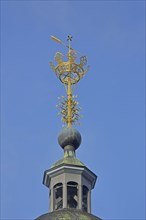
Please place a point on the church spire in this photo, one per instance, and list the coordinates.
(69, 181)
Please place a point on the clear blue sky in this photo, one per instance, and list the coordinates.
(112, 35)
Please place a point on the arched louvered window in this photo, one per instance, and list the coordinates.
(85, 191)
(72, 195)
(58, 196)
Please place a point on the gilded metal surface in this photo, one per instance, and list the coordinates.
(69, 69)
(63, 107)
(69, 73)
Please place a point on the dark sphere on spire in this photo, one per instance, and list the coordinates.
(69, 136)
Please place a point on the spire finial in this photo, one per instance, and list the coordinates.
(69, 38)
(69, 72)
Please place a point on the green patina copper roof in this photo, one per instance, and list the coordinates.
(68, 214)
(68, 161)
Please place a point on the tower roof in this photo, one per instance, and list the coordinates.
(69, 214)
(68, 161)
